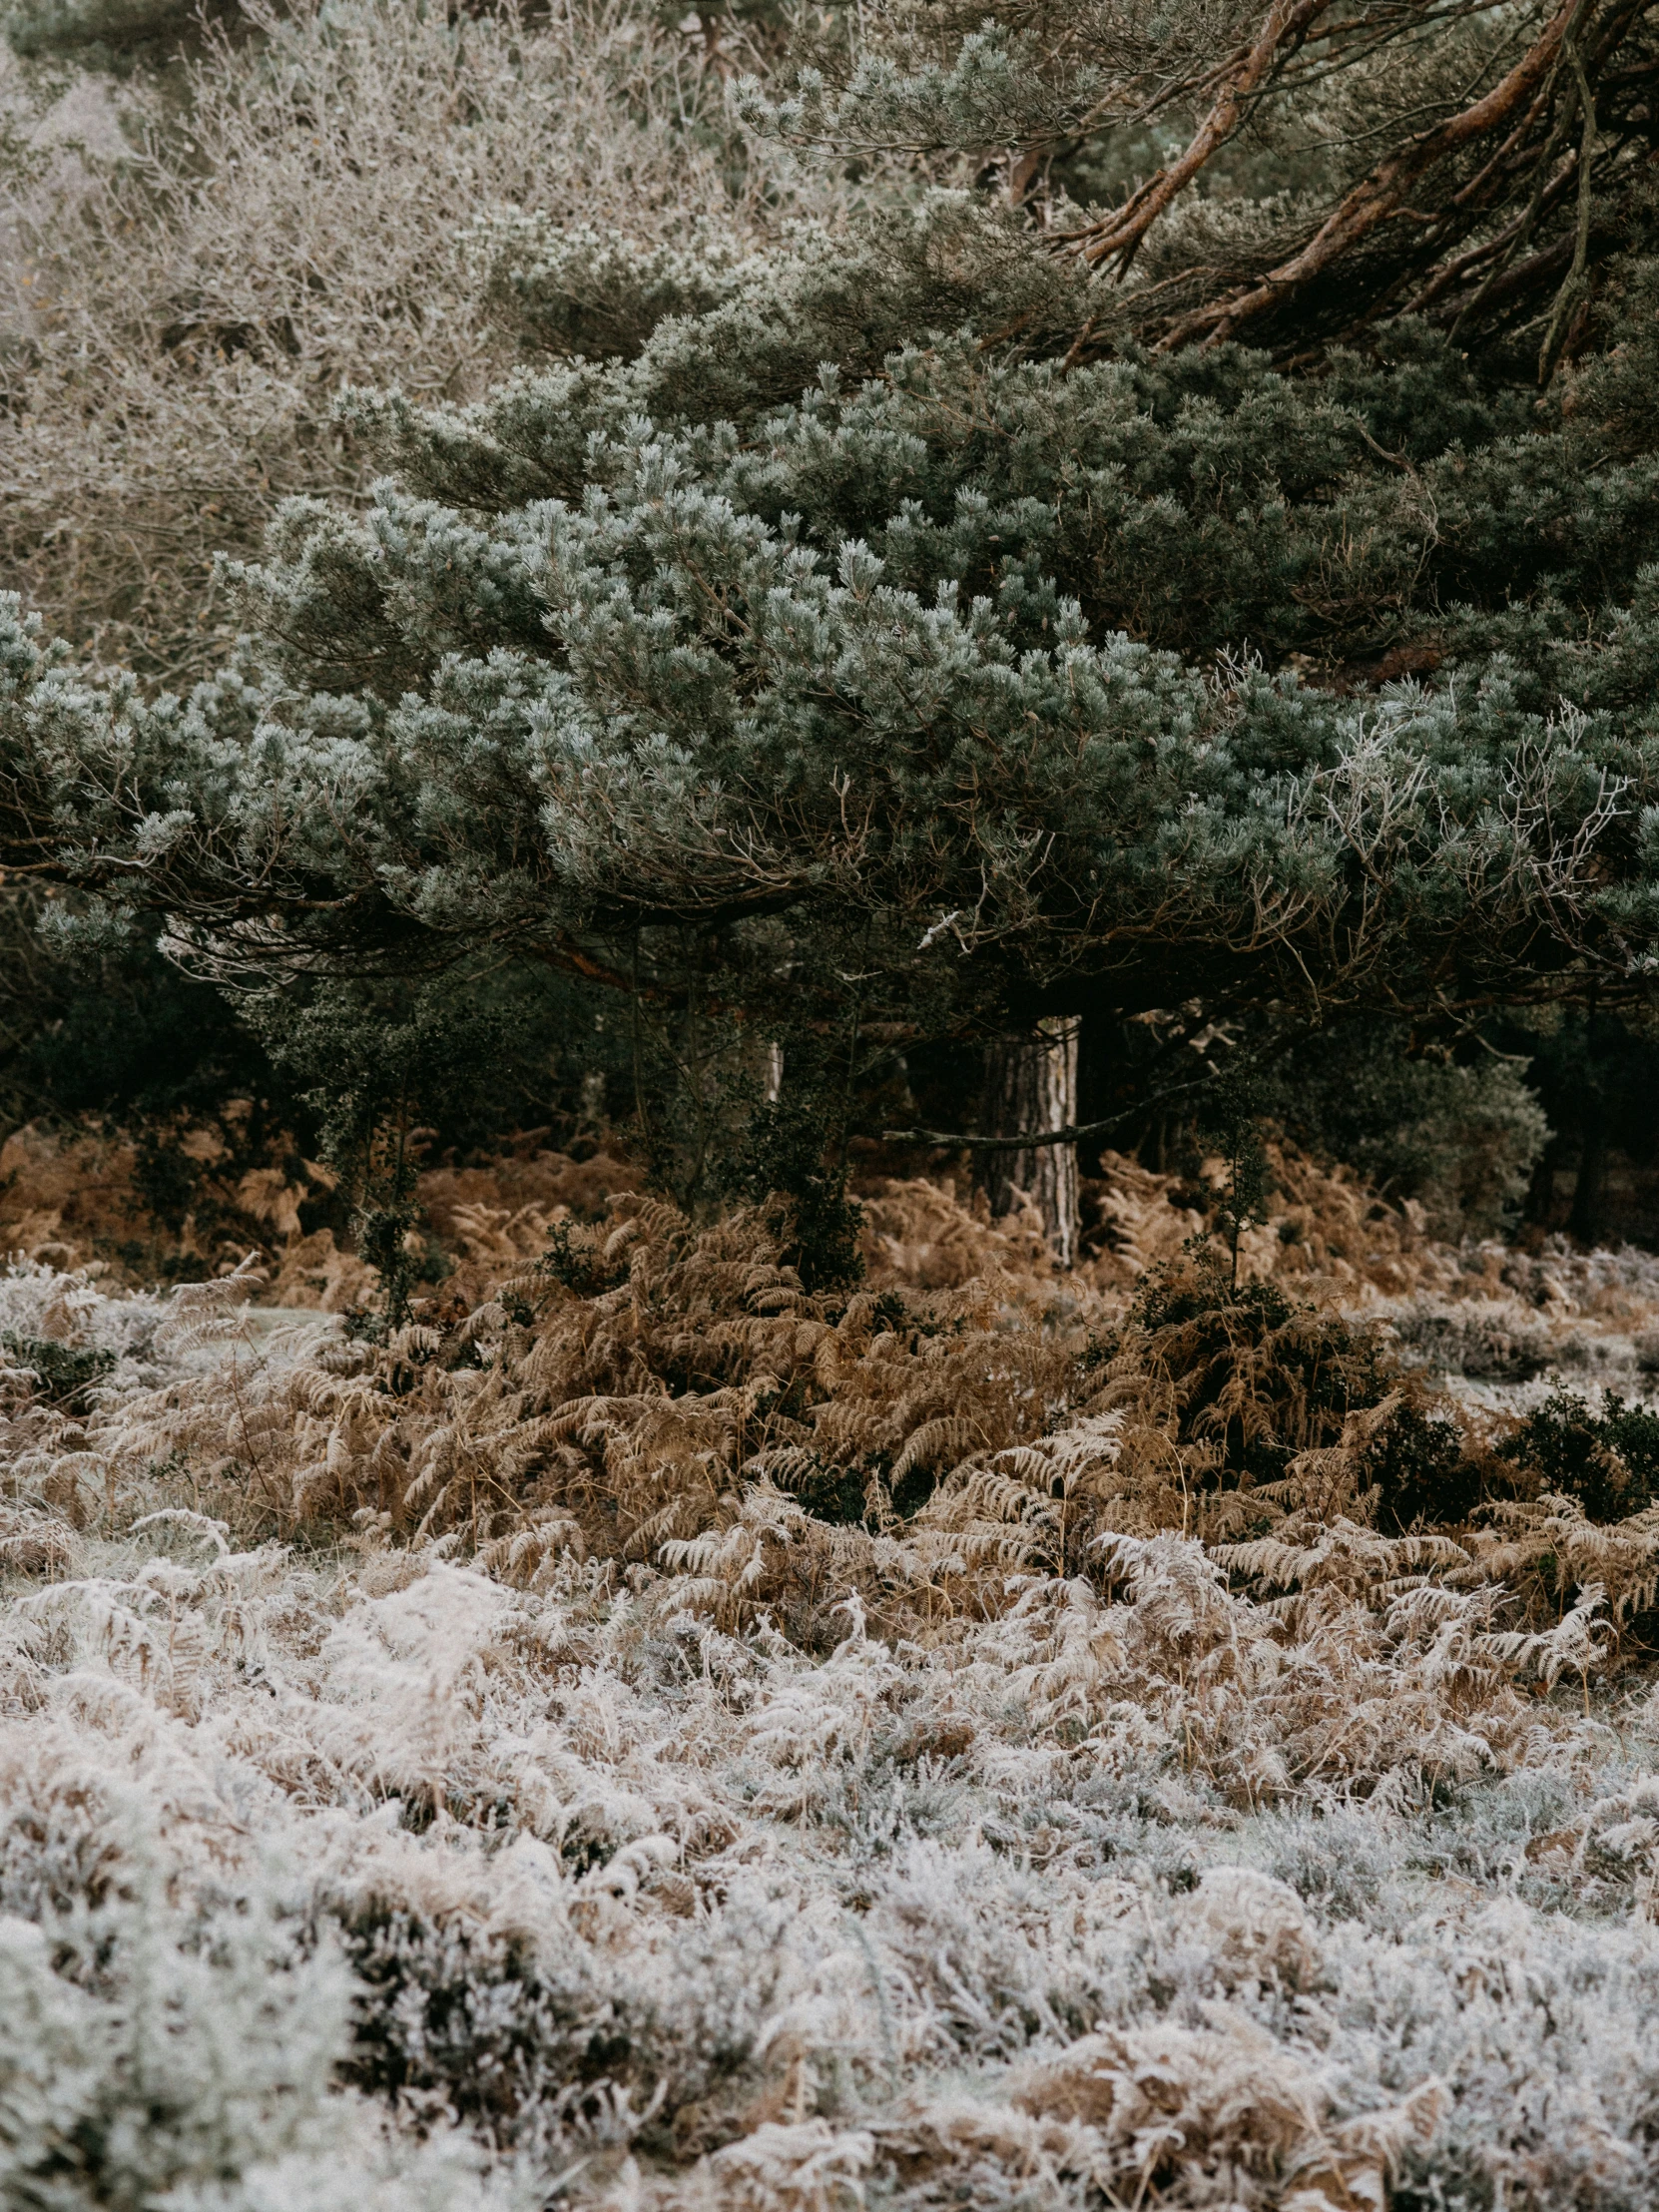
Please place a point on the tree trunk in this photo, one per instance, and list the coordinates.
(1584, 1221)
(1540, 1193)
(1032, 1084)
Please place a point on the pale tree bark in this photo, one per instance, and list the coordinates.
(1030, 1086)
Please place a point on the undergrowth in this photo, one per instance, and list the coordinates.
(661, 1736)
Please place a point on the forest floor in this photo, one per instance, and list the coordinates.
(650, 1736)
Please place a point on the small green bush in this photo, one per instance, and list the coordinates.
(1608, 1462)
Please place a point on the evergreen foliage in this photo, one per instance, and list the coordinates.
(113, 1029)
(1607, 1458)
(204, 251)
(1289, 174)
(1460, 1136)
(924, 626)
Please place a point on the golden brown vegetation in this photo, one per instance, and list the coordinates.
(602, 1377)
(965, 1738)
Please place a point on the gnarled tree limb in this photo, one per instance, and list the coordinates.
(1287, 24)
(1381, 195)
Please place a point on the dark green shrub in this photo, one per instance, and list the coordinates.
(1420, 1463)
(785, 1159)
(64, 1373)
(1608, 1462)
(1243, 1370)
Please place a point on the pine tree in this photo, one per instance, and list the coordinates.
(948, 628)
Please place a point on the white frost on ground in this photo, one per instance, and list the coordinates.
(359, 1880)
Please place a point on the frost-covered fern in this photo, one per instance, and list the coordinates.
(503, 1767)
(576, 1879)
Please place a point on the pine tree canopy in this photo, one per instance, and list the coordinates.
(957, 621)
(1399, 158)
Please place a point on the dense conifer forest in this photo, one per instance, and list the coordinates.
(829, 888)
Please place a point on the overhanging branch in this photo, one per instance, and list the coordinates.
(1031, 1140)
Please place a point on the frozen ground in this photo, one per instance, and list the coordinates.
(362, 1870)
